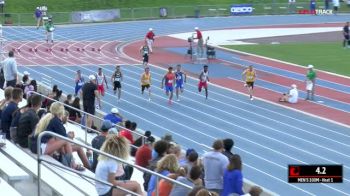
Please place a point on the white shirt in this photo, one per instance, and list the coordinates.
(100, 79)
(215, 164)
(294, 94)
(9, 66)
(336, 3)
(103, 169)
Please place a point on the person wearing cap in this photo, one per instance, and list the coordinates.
(144, 153)
(99, 140)
(25, 81)
(310, 82)
(49, 27)
(38, 17)
(292, 96)
(79, 82)
(150, 39)
(198, 35)
(89, 94)
(114, 116)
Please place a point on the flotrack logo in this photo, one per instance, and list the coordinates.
(316, 12)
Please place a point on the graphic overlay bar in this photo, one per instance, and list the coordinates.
(315, 173)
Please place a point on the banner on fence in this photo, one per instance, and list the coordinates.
(95, 16)
(241, 9)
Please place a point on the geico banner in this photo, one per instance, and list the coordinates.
(239, 9)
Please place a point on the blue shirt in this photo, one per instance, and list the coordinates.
(55, 125)
(113, 118)
(6, 117)
(233, 182)
(38, 13)
(179, 77)
(10, 68)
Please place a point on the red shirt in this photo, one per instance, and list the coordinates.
(127, 134)
(143, 156)
(150, 35)
(169, 79)
(199, 34)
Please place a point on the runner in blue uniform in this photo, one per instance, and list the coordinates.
(79, 82)
(180, 80)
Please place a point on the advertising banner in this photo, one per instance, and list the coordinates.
(241, 9)
(95, 16)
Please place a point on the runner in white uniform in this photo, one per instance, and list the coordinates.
(101, 79)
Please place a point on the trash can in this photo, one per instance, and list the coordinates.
(197, 13)
(163, 12)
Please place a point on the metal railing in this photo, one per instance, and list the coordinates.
(141, 13)
(41, 159)
(88, 114)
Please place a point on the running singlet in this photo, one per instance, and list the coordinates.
(250, 76)
(100, 79)
(146, 79)
(169, 79)
(145, 50)
(204, 76)
(117, 76)
(179, 77)
(80, 82)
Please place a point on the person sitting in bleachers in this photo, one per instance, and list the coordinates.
(114, 116)
(126, 132)
(99, 140)
(160, 148)
(7, 99)
(144, 153)
(233, 178)
(31, 87)
(15, 120)
(12, 106)
(214, 163)
(28, 121)
(49, 145)
(191, 159)
(168, 164)
(138, 143)
(192, 179)
(228, 144)
(175, 149)
(75, 115)
(165, 186)
(206, 192)
(106, 168)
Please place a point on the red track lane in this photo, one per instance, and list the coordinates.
(305, 106)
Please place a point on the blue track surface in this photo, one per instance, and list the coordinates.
(267, 136)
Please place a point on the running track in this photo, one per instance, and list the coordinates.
(267, 136)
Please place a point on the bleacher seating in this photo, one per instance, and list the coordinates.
(11, 170)
(6, 188)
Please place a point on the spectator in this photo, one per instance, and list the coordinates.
(38, 17)
(2, 78)
(89, 93)
(335, 6)
(168, 137)
(25, 80)
(176, 150)
(53, 122)
(75, 115)
(291, 6)
(191, 159)
(168, 164)
(165, 186)
(12, 106)
(160, 147)
(205, 192)
(144, 153)
(28, 121)
(310, 82)
(114, 116)
(15, 120)
(255, 191)
(139, 142)
(193, 179)
(106, 168)
(126, 132)
(32, 86)
(195, 190)
(215, 163)
(8, 96)
(228, 144)
(233, 178)
(68, 100)
(292, 96)
(9, 66)
(98, 141)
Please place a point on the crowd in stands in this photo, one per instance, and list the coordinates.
(217, 172)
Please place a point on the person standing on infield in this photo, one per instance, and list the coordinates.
(146, 82)
(203, 80)
(249, 76)
(200, 42)
(180, 80)
(346, 41)
(150, 39)
(310, 82)
(169, 81)
(116, 79)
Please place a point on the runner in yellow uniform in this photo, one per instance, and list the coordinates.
(249, 76)
(146, 82)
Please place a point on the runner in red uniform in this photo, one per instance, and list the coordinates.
(169, 81)
(101, 80)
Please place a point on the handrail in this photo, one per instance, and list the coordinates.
(71, 107)
(157, 175)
